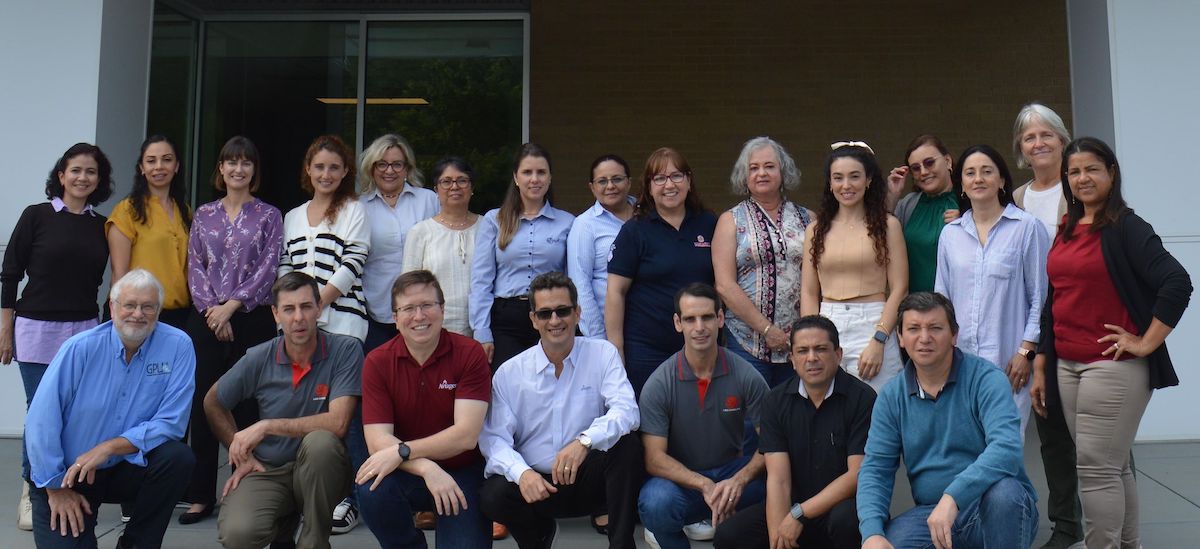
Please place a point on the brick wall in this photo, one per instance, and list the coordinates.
(704, 76)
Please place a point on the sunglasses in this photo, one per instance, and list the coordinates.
(561, 312)
(928, 164)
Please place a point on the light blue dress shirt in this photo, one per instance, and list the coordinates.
(90, 394)
(539, 246)
(389, 228)
(534, 415)
(998, 289)
(588, 248)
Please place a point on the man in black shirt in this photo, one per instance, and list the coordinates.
(814, 435)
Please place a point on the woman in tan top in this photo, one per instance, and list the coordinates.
(856, 265)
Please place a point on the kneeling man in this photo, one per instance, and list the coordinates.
(951, 416)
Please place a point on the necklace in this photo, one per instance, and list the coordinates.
(466, 222)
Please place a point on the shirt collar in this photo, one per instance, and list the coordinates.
(967, 221)
(118, 346)
(598, 209)
(548, 211)
(688, 213)
(542, 361)
(804, 392)
(683, 371)
(914, 387)
(406, 189)
(321, 353)
(58, 205)
(402, 355)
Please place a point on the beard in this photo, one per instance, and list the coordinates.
(134, 334)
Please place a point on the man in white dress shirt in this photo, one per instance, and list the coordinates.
(557, 437)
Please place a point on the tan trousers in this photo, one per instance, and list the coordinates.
(1103, 403)
(252, 515)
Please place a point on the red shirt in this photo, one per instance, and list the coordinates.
(418, 400)
(1085, 298)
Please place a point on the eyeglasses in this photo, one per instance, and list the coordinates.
(928, 164)
(661, 179)
(617, 180)
(447, 183)
(840, 144)
(398, 165)
(561, 312)
(146, 308)
(410, 310)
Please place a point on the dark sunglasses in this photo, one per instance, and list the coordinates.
(561, 312)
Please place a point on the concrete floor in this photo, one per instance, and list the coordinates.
(1168, 485)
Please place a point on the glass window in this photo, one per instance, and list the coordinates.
(172, 80)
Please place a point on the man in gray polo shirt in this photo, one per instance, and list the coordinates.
(292, 461)
(694, 408)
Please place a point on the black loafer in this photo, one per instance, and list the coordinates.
(193, 518)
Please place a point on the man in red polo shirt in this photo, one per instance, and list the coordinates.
(425, 395)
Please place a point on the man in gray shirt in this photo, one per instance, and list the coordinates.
(306, 383)
(694, 410)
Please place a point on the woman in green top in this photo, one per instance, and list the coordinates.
(924, 211)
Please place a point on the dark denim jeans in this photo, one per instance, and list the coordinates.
(388, 511)
(666, 507)
(31, 377)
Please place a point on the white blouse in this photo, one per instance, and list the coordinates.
(447, 254)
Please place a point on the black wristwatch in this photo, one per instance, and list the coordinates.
(1027, 353)
(404, 452)
(880, 336)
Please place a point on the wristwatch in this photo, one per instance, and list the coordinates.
(797, 512)
(585, 440)
(880, 336)
(1027, 353)
(404, 451)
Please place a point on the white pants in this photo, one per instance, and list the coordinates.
(856, 326)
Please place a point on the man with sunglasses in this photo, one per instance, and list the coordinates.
(694, 409)
(558, 436)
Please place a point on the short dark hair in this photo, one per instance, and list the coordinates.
(923, 302)
(698, 289)
(550, 281)
(818, 322)
(104, 188)
(238, 148)
(293, 281)
(416, 278)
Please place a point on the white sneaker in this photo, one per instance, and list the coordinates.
(345, 517)
(700, 531)
(650, 539)
(25, 509)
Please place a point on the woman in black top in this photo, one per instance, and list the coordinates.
(60, 246)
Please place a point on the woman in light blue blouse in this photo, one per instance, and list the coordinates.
(521, 239)
(991, 263)
(592, 235)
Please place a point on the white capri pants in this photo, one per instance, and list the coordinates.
(856, 326)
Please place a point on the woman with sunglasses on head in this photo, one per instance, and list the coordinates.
(1115, 294)
(149, 228)
(592, 235)
(445, 244)
(59, 247)
(856, 264)
(394, 200)
(233, 251)
(525, 237)
(924, 211)
(666, 246)
(758, 256)
(991, 264)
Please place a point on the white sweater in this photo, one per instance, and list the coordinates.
(332, 254)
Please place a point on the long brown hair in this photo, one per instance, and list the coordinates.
(345, 189)
(657, 162)
(1114, 205)
(510, 209)
(873, 203)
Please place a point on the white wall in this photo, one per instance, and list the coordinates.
(74, 70)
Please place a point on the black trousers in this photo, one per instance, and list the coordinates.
(1062, 480)
(213, 359)
(613, 478)
(512, 331)
(748, 528)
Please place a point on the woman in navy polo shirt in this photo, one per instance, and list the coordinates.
(666, 246)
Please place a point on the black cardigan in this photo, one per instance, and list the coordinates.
(1150, 282)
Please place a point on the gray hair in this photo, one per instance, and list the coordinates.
(1036, 112)
(787, 167)
(372, 154)
(137, 279)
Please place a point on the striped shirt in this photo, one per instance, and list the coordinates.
(332, 254)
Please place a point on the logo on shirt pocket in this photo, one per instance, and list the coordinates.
(701, 243)
(732, 404)
(446, 385)
(158, 368)
(321, 392)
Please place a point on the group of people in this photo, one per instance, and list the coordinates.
(645, 361)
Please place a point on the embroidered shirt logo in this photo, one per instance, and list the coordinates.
(447, 385)
(158, 368)
(321, 392)
(731, 404)
(700, 242)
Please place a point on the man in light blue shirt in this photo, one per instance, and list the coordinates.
(557, 438)
(106, 423)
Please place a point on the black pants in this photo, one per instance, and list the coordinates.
(512, 331)
(213, 359)
(748, 528)
(1062, 480)
(153, 489)
(613, 478)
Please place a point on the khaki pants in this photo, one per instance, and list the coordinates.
(1103, 403)
(252, 515)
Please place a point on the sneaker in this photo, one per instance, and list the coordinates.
(126, 511)
(700, 531)
(25, 509)
(345, 517)
(650, 539)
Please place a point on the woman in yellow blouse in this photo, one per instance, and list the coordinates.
(149, 228)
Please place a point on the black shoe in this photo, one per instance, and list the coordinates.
(601, 529)
(192, 518)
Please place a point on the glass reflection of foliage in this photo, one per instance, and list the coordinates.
(474, 111)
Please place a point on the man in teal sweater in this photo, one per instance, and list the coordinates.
(952, 418)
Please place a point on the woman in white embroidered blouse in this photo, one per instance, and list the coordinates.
(445, 243)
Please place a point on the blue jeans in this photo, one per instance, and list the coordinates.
(31, 377)
(1005, 515)
(388, 511)
(666, 507)
(356, 445)
(775, 373)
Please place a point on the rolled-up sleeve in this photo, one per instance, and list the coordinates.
(1036, 251)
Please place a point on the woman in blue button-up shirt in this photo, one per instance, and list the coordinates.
(991, 263)
(521, 239)
(592, 235)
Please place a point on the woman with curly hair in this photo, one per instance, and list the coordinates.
(856, 264)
